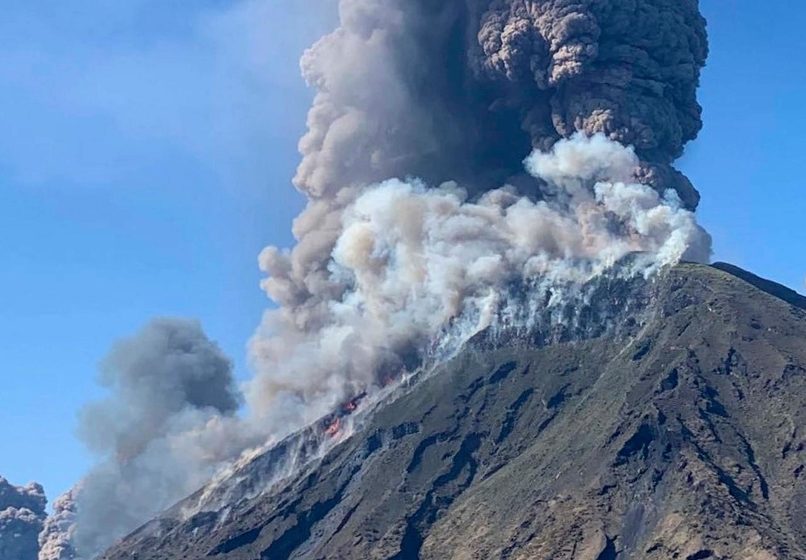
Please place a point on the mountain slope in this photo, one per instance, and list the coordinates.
(677, 435)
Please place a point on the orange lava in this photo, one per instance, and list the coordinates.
(333, 428)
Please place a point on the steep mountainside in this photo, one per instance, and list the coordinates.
(679, 435)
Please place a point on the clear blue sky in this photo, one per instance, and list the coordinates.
(145, 159)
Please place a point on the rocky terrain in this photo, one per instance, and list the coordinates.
(678, 435)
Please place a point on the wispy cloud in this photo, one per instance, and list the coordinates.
(105, 91)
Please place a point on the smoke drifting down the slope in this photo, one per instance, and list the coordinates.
(422, 218)
(412, 262)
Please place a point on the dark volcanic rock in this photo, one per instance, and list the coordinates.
(677, 436)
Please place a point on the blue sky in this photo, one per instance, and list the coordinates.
(145, 159)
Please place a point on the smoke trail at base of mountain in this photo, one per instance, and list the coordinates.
(56, 537)
(22, 514)
(167, 426)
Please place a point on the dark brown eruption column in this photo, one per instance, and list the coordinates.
(465, 89)
(628, 69)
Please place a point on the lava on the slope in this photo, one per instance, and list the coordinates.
(331, 425)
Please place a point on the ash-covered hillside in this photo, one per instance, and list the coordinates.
(676, 435)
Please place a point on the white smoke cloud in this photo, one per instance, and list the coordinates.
(410, 260)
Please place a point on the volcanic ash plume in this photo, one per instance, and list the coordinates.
(458, 152)
(459, 94)
(464, 90)
(22, 513)
(168, 424)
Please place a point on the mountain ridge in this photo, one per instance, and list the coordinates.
(642, 444)
(780, 291)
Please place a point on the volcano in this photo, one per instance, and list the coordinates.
(674, 429)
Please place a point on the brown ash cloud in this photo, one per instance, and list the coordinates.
(465, 90)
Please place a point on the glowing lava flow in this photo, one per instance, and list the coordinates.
(332, 424)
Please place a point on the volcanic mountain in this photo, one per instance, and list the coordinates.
(674, 432)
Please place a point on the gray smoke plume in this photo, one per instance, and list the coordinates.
(22, 514)
(166, 426)
(168, 368)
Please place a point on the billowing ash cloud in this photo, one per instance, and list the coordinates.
(464, 91)
(22, 513)
(166, 426)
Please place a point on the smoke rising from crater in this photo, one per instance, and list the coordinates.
(464, 91)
